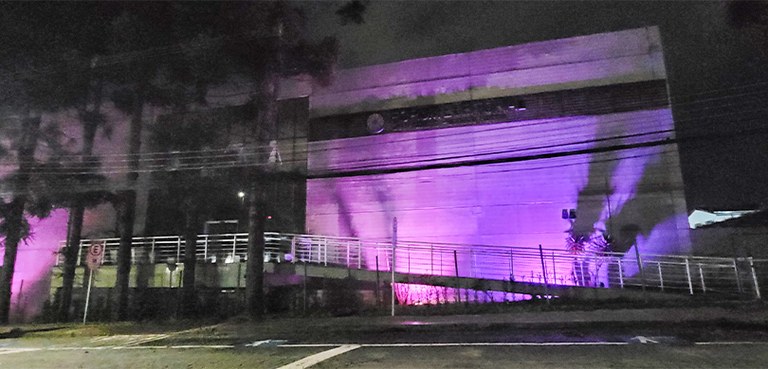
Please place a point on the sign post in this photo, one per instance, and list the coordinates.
(94, 259)
(394, 250)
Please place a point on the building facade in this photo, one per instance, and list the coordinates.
(552, 143)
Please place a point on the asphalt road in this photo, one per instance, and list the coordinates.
(639, 338)
(410, 345)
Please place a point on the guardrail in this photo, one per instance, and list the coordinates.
(687, 274)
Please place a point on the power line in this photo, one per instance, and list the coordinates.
(211, 161)
(562, 154)
(111, 165)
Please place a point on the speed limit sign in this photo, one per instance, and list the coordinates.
(95, 255)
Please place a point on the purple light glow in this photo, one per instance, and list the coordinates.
(35, 260)
(420, 294)
(635, 194)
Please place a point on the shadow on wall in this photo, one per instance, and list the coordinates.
(346, 226)
(640, 216)
(642, 221)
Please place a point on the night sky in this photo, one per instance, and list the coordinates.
(716, 72)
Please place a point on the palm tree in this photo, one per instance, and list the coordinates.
(37, 67)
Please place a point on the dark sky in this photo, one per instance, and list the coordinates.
(716, 72)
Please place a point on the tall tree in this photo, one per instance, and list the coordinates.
(91, 119)
(169, 58)
(194, 180)
(37, 63)
(90, 97)
(139, 42)
(273, 45)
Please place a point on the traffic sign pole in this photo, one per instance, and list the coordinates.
(88, 296)
(94, 260)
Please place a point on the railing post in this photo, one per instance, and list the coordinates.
(661, 277)
(511, 266)
(151, 251)
(441, 263)
(544, 272)
(738, 277)
(178, 247)
(205, 249)
(311, 247)
(554, 269)
(80, 251)
(378, 282)
(621, 274)
(701, 275)
(754, 278)
(234, 246)
(325, 252)
(394, 259)
(688, 273)
(348, 254)
(640, 267)
(431, 260)
(409, 262)
(359, 254)
(543, 265)
(293, 249)
(473, 264)
(458, 283)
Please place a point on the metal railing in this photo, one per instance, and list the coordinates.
(555, 266)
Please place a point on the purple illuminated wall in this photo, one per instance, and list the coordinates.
(34, 263)
(635, 194)
(511, 204)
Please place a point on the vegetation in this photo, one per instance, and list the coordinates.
(76, 60)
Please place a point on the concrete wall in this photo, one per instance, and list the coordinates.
(594, 60)
(634, 194)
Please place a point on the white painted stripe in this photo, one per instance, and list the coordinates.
(460, 344)
(201, 346)
(316, 358)
(17, 350)
(137, 347)
(342, 348)
(731, 343)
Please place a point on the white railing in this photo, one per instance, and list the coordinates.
(687, 274)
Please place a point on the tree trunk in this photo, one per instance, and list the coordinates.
(189, 295)
(77, 211)
(254, 283)
(70, 252)
(126, 214)
(15, 217)
(127, 210)
(254, 270)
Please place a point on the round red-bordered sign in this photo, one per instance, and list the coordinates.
(95, 255)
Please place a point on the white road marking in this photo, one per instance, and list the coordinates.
(459, 344)
(342, 348)
(644, 339)
(316, 358)
(17, 350)
(732, 343)
(131, 339)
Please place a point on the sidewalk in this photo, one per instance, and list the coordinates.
(746, 315)
(315, 326)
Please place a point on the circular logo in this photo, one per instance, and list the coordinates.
(375, 123)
